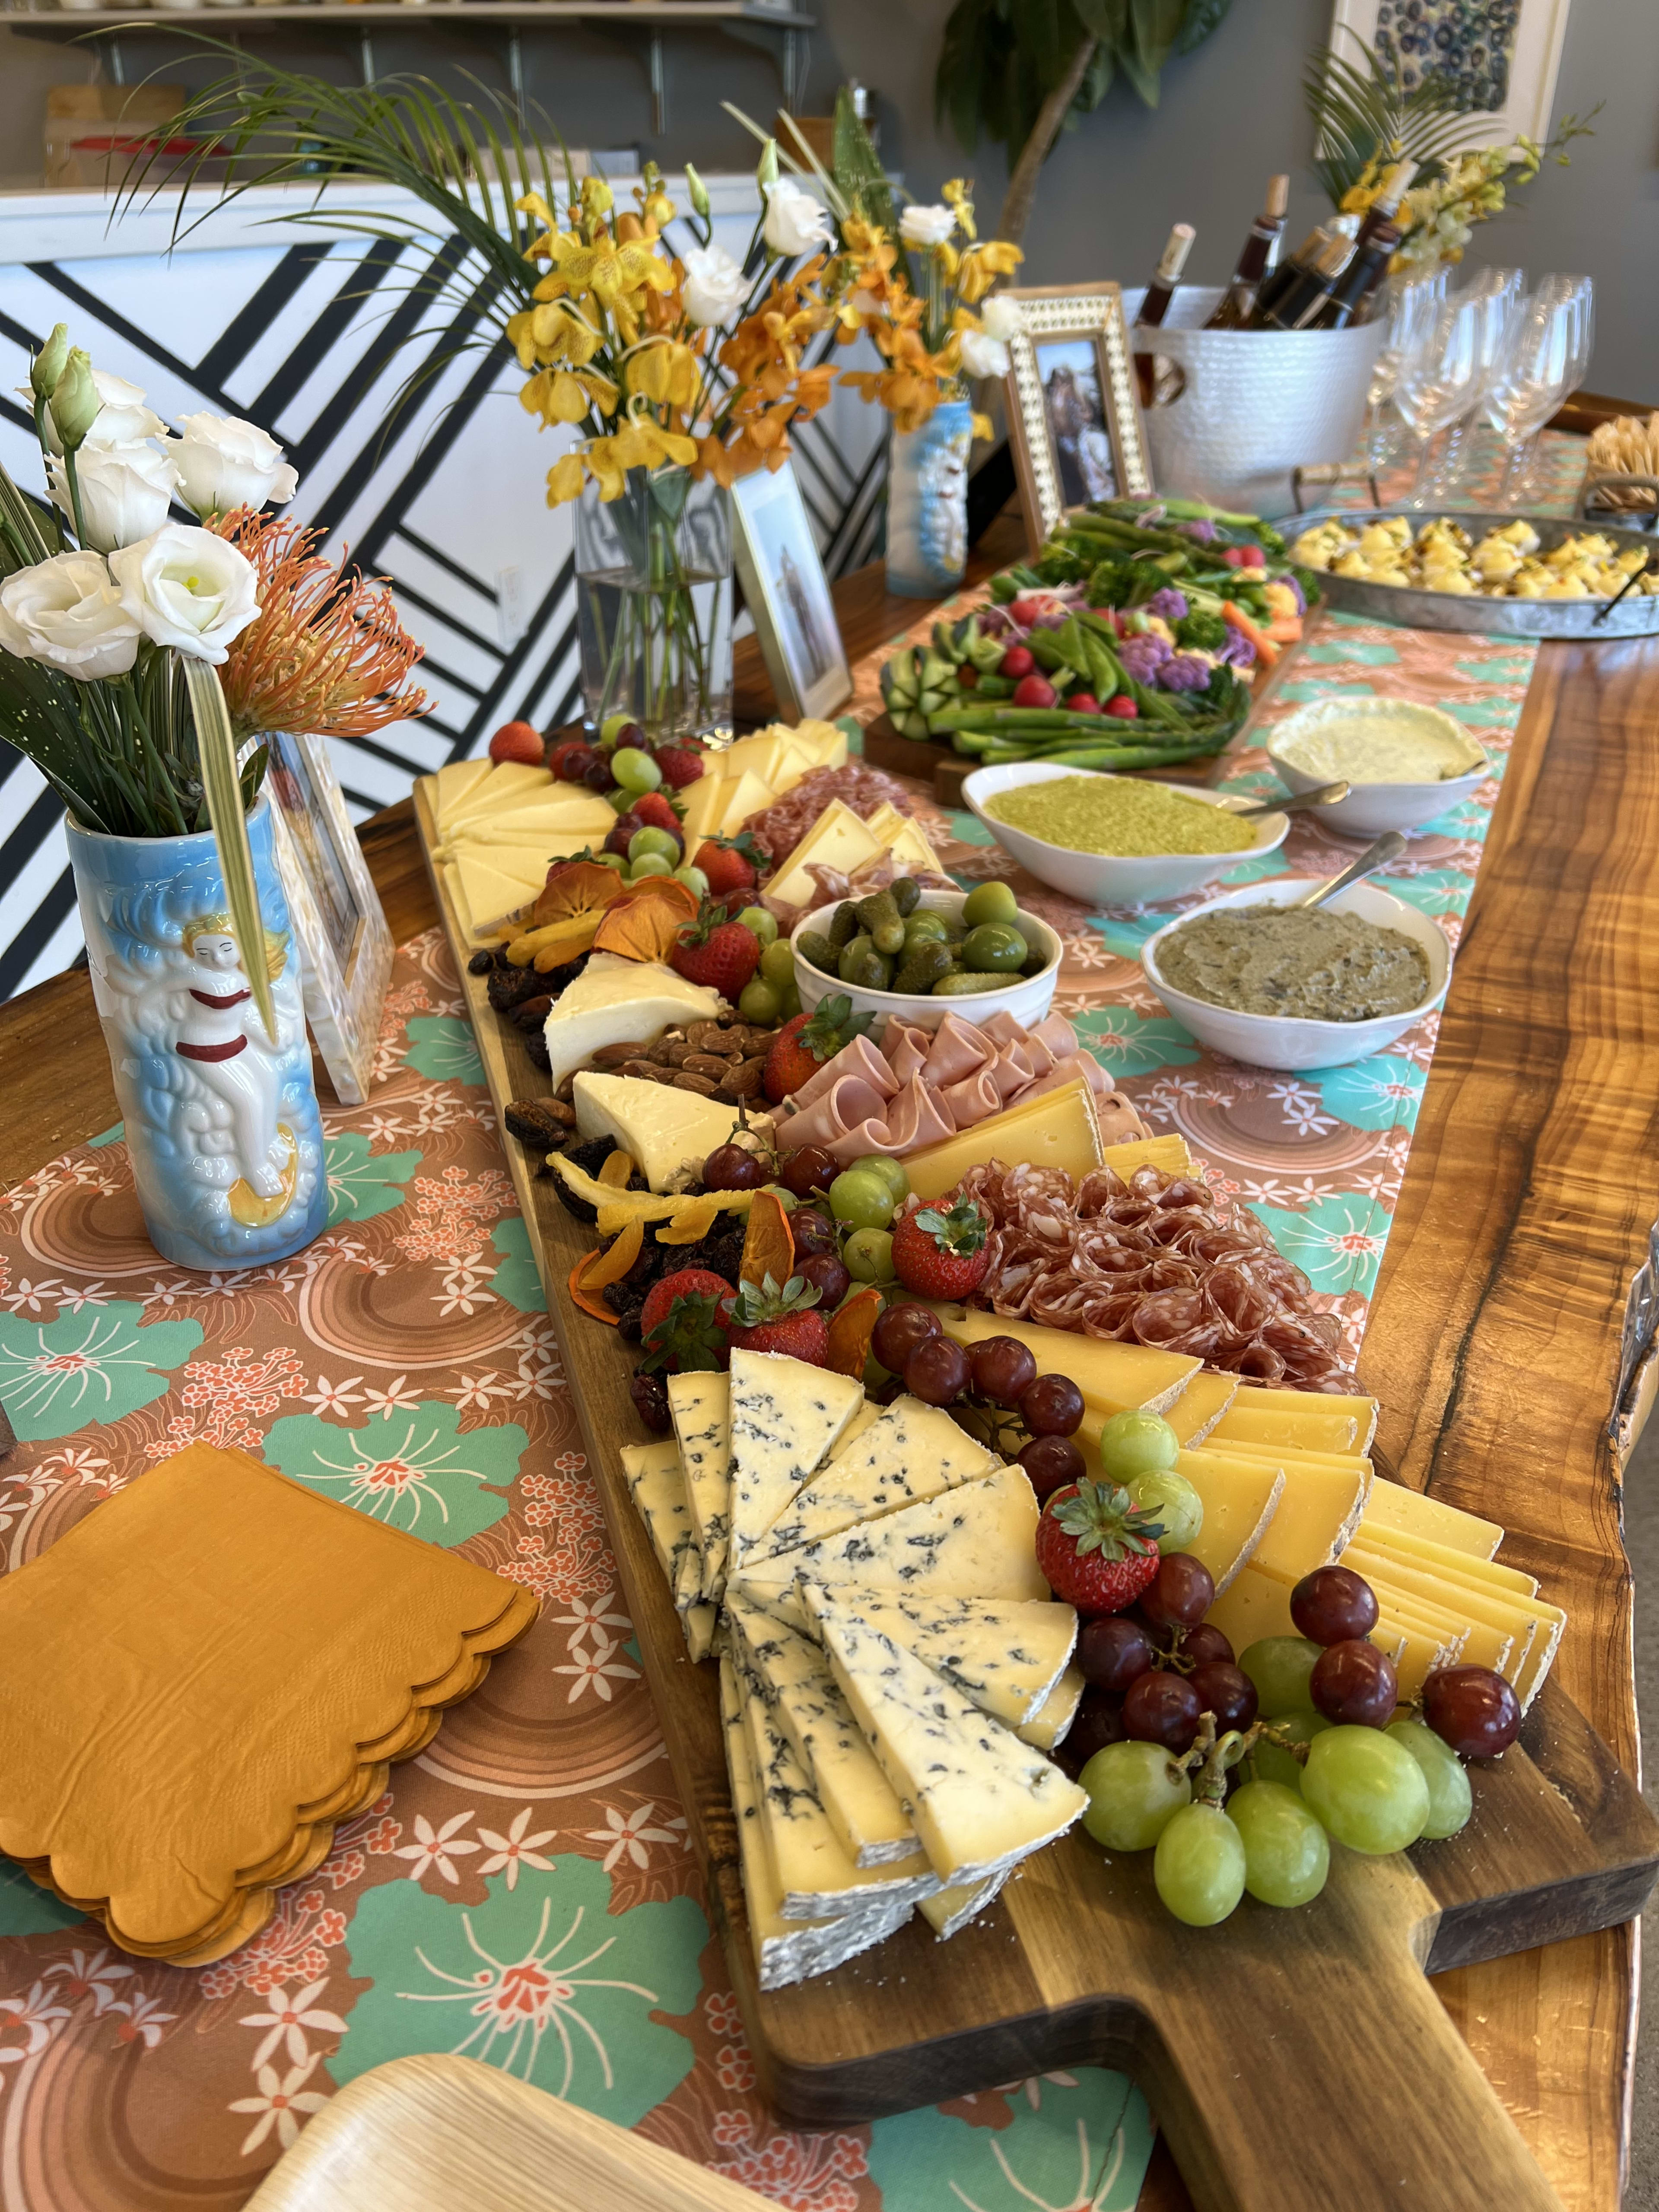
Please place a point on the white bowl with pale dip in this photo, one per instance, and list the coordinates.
(1404, 765)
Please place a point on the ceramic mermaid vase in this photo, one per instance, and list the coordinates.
(221, 1123)
(928, 503)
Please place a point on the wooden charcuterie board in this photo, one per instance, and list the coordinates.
(1297, 2061)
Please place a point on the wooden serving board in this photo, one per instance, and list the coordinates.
(1297, 2061)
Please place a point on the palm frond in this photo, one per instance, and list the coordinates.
(217, 743)
(1361, 116)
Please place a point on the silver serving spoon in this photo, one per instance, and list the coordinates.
(1389, 847)
(1325, 795)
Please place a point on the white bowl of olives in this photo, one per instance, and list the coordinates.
(988, 957)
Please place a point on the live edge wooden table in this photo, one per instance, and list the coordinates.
(1509, 1338)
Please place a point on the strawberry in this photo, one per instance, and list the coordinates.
(806, 1041)
(942, 1256)
(718, 954)
(680, 764)
(517, 741)
(684, 1320)
(731, 864)
(768, 1318)
(1098, 1549)
(652, 808)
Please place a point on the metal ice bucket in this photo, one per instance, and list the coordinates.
(1244, 408)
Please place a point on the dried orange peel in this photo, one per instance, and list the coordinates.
(643, 923)
(596, 1271)
(768, 1243)
(615, 1208)
(851, 1327)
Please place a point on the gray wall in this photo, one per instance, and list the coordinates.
(1232, 113)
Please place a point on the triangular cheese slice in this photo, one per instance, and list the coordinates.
(794, 1676)
(948, 1909)
(1006, 1656)
(453, 783)
(523, 826)
(785, 1416)
(699, 1404)
(976, 1541)
(703, 801)
(509, 783)
(745, 797)
(913, 1452)
(1239, 1499)
(838, 839)
(1048, 1724)
(492, 893)
(980, 1798)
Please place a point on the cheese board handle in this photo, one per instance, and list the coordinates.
(1335, 2084)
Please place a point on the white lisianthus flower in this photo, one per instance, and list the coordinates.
(999, 318)
(983, 356)
(715, 287)
(224, 463)
(189, 589)
(121, 421)
(927, 225)
(68, 613)
(125, 492)
(795, 222)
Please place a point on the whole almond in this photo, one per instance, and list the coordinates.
(707, 1063)
(702, 1084)
(616, 1055)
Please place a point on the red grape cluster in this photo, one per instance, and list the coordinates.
(1471, 1708)
(1000, 1370)
(1155, 1670)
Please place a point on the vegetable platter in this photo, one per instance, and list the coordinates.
(1272, 2012)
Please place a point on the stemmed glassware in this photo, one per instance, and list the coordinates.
(1439, 377)
(1412, 301)
(1545, 351)
(1494, 294)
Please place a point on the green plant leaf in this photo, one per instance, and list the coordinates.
(217, 743)
(1202, 17)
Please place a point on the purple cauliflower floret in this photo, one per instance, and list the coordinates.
(1301, 596)
(1168, 603)
(1184, 671)
(1201, 532)
(1143, 656)
(1238, 649)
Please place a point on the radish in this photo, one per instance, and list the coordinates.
(1124, 707)
(1083, 702)
(1034, 691)
(1017, 662)
(1028, 612)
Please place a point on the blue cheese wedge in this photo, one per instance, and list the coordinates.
(785, 1951)
(794, 1675)
(1007, 1657)
(616, 1001)
(948, 1909)
(700, 1407)
(912, 1453)
(980, 1798)
(976, 1541)
(668, 1133)
(1048, 1726)
(785, 1416)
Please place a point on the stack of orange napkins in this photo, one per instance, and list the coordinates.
(204, 1675)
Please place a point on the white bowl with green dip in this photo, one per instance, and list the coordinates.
(1263, 961)
(1116, 840)
(1404, 765)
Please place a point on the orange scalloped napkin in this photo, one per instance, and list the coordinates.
(207, 1673)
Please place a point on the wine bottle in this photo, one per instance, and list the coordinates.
(1354, 297)
(1257, 261)
(1297, 308)
(1159, 293)
(1273, 288)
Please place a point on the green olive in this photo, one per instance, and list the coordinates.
(992, 902)
(994, 948)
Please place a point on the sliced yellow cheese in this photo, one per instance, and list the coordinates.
(745, 797)
(493, 893)
(528, 856)
(761, 753)
(1239, 1504)
(1107, 1373)
(1417, 1651)
(1048, 1724)
(904, 839)
(1258, 1398)
(1317, 1515)
(1535, 1627)
(524, 826)
(1195, 1413)
(1394, 1505)
(1169, 1153)
(704, 800)
(1058, 1130)
(838, 839)
(509, 783)
(450, 785)
(1321, 1431)
(828, 743)
(1289, 1456)
(1463, 1638)
(948, 1909)
(1442, 1558)
(1252, 1606)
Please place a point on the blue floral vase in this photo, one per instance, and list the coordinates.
(221, 1123)
(928, 503)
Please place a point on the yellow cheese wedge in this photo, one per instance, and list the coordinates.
(1169, 1153)
(745, 797)
(904, 839)
(520, 824)
(828, 743)
(1394, 1505)
(1417, 1651)
(1317, 1515)
(1239, 1504)
(1252, 1606)
(509, 783)
(1289, 1455)
(1057, 1130)
(493, 892)
(1472, 1641)
(450, 785)
(1536, 1626)
(837, 840)
(1457, 1566)
(1335, 1433)
(1195, 1413)
(704, 800)
(761, 753)
(1117, 1374)
(1257, 1398)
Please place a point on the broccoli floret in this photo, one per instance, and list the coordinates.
(1110, 581)
(1205, 633)
(1223, 689)
(1056, 565)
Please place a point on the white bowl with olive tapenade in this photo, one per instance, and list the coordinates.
(1289, 966)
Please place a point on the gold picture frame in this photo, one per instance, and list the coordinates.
(1073, 346)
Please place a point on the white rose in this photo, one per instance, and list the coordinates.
(121, 421)
(1000, 317)
(67, 613)
(795, 222)
(189, 589)
(927, 225)
(715, 287)
(983, 356)
(125, 492)
(224, 464)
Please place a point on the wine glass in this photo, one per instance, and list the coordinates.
(1411, 301)
(1439, 378)
(1492, 293)
(1540, 352)
(1579, 295)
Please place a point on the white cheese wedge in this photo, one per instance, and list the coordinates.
(785, 1951)
(837, 840)
(786, 1417)
(616, 1001)
(656, 1482)
(450, 785)
(700, 1406)
(819, 1878)
(1049, 1724)
(1007, 1657)
(980, 1798)
(794, 1676)
(492, 893)
(663, 1130)
(948, 1909)
(913, 1452)
(976, 1541)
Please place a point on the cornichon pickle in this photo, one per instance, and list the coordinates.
(920, 970)
(866, 970)
(906, 893)
(879, 915)
(854, 949)
(817, 951)
(843, 924)
(964, 981)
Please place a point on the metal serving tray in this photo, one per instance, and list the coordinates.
(1635, 616)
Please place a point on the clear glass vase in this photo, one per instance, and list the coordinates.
(654, 586)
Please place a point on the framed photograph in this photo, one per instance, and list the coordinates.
(346, 947)
(787, 594)
(1504, 54)
(1073, 416)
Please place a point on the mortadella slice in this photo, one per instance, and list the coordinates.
(857, 1057)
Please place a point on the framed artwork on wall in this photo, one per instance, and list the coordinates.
(787, 595)
(1073, 415)
(1504, 54)
(346, 947)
